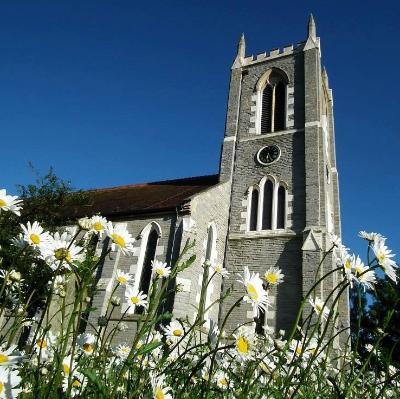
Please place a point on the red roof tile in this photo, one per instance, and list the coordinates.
(143, 198)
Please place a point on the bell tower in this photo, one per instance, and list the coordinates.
(279, 156)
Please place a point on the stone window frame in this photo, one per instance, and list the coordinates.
(259, 89)
(276, 183)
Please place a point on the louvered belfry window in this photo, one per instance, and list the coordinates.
(267, 207)
(273, 104)
(254, 210)
(280, 220)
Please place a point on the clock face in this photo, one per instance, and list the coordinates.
(268, 154)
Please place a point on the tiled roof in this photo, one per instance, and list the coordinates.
(142, 198)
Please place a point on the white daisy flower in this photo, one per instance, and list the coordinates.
(7, 358)
(256, 295)
(68, 365)
(160, 389)
(120, 237)
(18, 241)
(135, 298)
(173, 332)
(122, 351)
(78, 383)
(364, 276)
(160, 269)
(10, 203)
(274, 276)
(219, 269)
(98, 224)
(9, 380)
(319, 307)
(383, 255)
(59, 284)
(370, 236)
(244, 343)
(86, 343)
(222, 380)
(43, 344)
(123, 278)
(34, 234)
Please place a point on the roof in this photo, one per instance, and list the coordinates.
(143, 198)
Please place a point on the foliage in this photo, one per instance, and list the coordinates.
(176, 358)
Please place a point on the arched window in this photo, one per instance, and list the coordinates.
(281, 211)
(271, 111)
(253, 209)
(267, 205)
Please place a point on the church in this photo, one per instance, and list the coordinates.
(273, 202)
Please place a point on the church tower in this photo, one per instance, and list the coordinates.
(279, 156)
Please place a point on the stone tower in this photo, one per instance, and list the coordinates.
(279, 156)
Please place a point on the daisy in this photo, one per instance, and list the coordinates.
(222, 380)
(256, 295)
(97, 224)
(173, 332)
(160, 390)
(120, 237)
(123, 278)
(6, 357)
(383, 255)
(219, 269)
(9, 380)
(78, 382)
(68, 365)
(10, 203)
(43, 344)
(135, 298)
(319, 307)
(34, 234)
(122, 351)
(244, 344)
(160, 269)
(370, 236)
(86, 343)
(274, 276)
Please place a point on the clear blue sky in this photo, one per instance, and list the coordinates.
(118, 92)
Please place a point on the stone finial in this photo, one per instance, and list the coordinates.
(325, 76)
(241, 52)
(312, 29)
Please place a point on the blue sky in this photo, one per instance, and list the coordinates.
(119, 92)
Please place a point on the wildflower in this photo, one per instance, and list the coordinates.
(34, 234)
(219, 269)
(9, 380)
(135, 298)
(160, 390)
(122, 351)
(244, 343)
(97, 224)
(44, 343)
(86, 343)
(256, 295)
(160, 269)
(384, 255)
(370, 236)
(274, 276)
(120, 237)
(6, 357)
(84, 223)
(320, 307)
(10, 203)
(364, 276)
(58, 284)
(68, 365)
(173, 332)
(78, 382)
(222, 380)
(123, 278)
(18, 241)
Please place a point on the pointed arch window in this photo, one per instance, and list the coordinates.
(267, 205)
(281, 211)
(254, 198)
(271, 107)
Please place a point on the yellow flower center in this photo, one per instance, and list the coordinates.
(381, 258)
(1, 383)
(223, 381)
(63, 254)
(122, 280)
(160, 271)
(177, 332)
(2, 203)
(118, 240)
(3, 358)
(272, 278)
(218, 269)
(76, 384)
(134, 300)
(66, 368)
(242, 345)
(159, 394)
(318, 307)
(41, 343)
(347, 264)
(298, 350)
(35, 239)
(359, 270)
(98, 226)
(87, 347)
(251, 290)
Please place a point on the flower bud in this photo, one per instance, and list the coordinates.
(122, 327)
(115, 301)
(14, 276)
(102, 321)
(43, 371)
